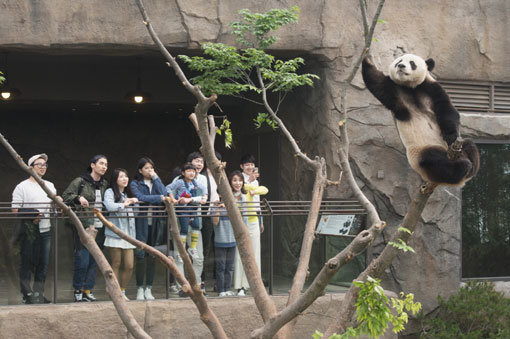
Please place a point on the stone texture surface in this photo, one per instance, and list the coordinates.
(160, 319)
(469, 41)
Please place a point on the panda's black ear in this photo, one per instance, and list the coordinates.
(430, 64)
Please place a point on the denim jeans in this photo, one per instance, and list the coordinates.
(145, 264)
(224, 267)
(185, 221)
(84, 276)
(35, 256)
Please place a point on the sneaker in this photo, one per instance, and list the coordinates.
(193, 253)
(223, 294)
(183, 294)
(148, 293)
(124, 295)
(88, 297)
(78, 296)
(241, 292)
(173, 289)
(178, 258)
(28, 299)
(139, 294)
(230, 294)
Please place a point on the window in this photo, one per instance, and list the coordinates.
(486, 215)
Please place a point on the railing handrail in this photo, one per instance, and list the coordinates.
(264, 208)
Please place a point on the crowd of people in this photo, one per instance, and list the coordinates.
(132, 205)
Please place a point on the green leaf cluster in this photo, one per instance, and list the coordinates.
(253, 29)
(374, 311)
(225, 70)
(476, 311)
(225, 130)
(401, 245)
(264, 118)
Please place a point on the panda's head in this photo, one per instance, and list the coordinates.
(410, 70)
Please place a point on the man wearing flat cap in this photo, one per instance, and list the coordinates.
(33, 207)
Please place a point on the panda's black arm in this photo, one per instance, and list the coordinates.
(447, 116)
(378, 84)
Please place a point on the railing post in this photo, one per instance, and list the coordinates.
(55, 255)
(271, 254)
(167, 281)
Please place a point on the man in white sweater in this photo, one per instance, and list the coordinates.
(33, 206)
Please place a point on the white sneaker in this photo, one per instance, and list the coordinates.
(148, 293)
(193, 253)
(178, 258)
(230, 293)
(241, 292)
(124, 295)
(139, 294)
(223, 294)
(173, 289)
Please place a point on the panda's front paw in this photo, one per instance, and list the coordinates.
(455, 149)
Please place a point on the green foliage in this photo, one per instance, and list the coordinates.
(2, 79)
(225, 70)
(476, 311)
(259, 25)
(403, 229)
(374, 313)
(225, 129)
(265, 118)
(401, 245)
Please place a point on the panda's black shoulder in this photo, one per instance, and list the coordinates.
(433, 89)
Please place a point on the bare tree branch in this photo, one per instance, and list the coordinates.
(112, 285)
(297, 151)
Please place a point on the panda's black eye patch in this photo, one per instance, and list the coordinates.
(413, 65)
(398, 62)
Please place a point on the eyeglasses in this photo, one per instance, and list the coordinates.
(41, 165)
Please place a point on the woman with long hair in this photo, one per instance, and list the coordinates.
(245, 193)
(151, 228)
(117, 201)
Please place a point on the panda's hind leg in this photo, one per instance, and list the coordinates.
(439, 169)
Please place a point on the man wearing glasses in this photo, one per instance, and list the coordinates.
(34, 237)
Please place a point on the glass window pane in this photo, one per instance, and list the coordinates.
(486, 215)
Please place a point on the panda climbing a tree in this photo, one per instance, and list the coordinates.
(426, 120)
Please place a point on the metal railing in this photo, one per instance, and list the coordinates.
(263, 208)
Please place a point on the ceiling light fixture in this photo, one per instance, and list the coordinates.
(138, 96)
(6, 91)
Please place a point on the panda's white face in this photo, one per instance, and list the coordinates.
(408, 70)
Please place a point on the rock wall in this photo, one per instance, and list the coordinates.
(468, 40)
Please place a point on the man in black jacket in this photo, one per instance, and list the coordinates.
(83, 194)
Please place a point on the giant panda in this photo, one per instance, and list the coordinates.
(426, 120)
